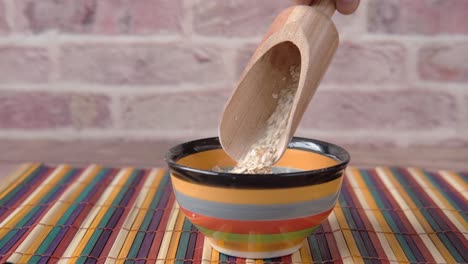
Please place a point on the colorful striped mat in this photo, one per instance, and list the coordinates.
(107, 215)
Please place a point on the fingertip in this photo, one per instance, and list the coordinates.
(347, 7)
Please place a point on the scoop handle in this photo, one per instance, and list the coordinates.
(326, 7)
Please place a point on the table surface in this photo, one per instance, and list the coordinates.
(150, 153)
(107, 215)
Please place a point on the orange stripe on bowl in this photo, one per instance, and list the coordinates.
(257, 196)
(257, 227)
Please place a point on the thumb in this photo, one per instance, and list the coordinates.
(347, 7)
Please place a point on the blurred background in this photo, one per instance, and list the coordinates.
(119, 81)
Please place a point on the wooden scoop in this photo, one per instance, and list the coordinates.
(301, 36)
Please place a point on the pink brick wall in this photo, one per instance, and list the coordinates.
(163, 69)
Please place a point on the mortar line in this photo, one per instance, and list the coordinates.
(187, 20)
(26, 39)
(116, 111)
(411, 61)
(54, 55)
(63, 87)
(10, 12)
(357, 134)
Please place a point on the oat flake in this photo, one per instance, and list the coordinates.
(262, 155)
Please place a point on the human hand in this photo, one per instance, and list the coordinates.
(345, 7)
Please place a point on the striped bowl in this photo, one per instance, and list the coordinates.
(257, 216)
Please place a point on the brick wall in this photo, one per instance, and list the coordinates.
(163, 69)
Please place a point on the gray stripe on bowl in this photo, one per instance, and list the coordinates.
(256, 212)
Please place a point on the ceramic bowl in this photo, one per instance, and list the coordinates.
(257, 215)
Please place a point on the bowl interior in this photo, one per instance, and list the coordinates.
(293, 159)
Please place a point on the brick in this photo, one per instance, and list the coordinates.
(102, 17)
(453, 142)
(352, 23)
(42, 110)
(235, 18)
(444, 62)
(464, 123)
(243, 56)
(24, 64)
(418, 16)
(90, 111)
(368, 62)
(406, 109)
(142, 64)
(370, 142)
(141, 17)
(65, 16)
(195, 110)
(4, 28)
(25, 110)
(354, 62)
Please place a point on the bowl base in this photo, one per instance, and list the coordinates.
(257, 255)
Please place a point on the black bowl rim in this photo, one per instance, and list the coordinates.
(289, 179)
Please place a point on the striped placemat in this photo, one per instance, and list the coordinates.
(108, 215)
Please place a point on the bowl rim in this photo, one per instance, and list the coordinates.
(272, 180)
